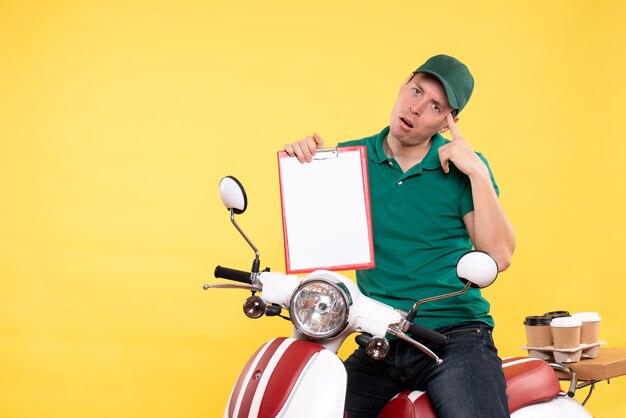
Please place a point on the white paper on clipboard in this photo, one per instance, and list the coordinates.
(326, 211)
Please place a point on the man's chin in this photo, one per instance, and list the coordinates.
(401, 135)
(397, 132)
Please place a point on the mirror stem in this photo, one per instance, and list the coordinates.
(411, 316)
(256, 264)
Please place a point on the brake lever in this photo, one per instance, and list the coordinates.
(232, 286)
(395, 330)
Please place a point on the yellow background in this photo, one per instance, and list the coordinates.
(118, 118)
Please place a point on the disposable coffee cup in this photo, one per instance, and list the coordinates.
(590, 331)
(566, 332)
(538, 333)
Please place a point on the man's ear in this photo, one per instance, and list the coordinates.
(445, 126)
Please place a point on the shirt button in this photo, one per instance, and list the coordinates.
(390, 162)
(400, 182)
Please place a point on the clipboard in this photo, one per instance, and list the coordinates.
(326, 210)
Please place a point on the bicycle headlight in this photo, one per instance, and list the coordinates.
(319, 308)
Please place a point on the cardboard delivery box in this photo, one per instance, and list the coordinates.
(610, 363)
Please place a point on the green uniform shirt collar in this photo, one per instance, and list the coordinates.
(431, 160)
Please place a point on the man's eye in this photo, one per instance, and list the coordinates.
(417, 91)
(436, 108)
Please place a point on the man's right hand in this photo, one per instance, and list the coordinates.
(304, 149)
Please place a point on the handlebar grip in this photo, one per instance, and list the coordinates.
(428, 334)
(232, 274)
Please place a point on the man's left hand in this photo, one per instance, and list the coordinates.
(459, 152)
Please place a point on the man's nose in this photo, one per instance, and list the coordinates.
(415, 108)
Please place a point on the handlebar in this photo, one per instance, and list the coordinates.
(232, 274)
(428, 334)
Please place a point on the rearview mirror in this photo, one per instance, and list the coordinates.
(233, 195)
(478, 268)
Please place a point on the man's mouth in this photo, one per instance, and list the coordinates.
(406, 122)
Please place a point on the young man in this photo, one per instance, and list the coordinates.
(432, 200)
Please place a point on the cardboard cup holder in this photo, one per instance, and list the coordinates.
(565, 355)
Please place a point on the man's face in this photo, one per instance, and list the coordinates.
(420, 110)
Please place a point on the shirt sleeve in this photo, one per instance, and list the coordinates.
(467, 203)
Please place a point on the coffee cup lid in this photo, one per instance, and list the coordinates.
(587, 316)
(565, 322)
(556, 314)
(537, 320)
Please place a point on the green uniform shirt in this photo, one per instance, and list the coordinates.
(419, 235)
